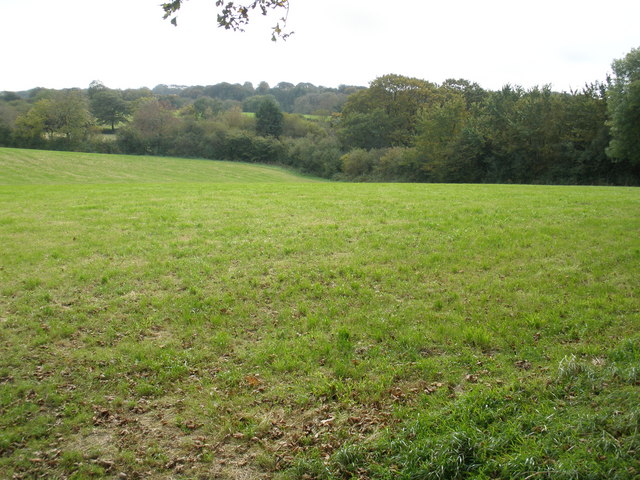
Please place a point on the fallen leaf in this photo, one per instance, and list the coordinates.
(253, 380)
(523, 364)
(327, 421)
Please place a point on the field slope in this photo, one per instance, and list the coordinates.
(45, 167)
(167, 326)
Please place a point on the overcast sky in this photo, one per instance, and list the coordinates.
(126, 44)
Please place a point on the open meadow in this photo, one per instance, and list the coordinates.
(187, 319)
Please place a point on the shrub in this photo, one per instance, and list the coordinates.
(317, 155)
(397, 164)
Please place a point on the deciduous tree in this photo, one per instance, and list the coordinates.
(109, 107)
(389, 107)
(440, 130)
(235, 16)
(61, 115)
(624, 109)
(253, 104)
(151, 128)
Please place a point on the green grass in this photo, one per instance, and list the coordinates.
(308, 116)
(44, 167)
(203, 329)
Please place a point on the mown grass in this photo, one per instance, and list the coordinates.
(45, 167)
(316, 330)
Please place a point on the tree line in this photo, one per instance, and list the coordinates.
(397, 129)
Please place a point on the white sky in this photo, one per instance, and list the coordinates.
(126, 44)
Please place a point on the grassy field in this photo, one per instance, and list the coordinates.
(35, 167)
(308, 116)
(184, 319)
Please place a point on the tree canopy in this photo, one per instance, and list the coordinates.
(624, 108)
(109, 107)
(398, 129)
(235, 16)
(386, 113)
(269, 118)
